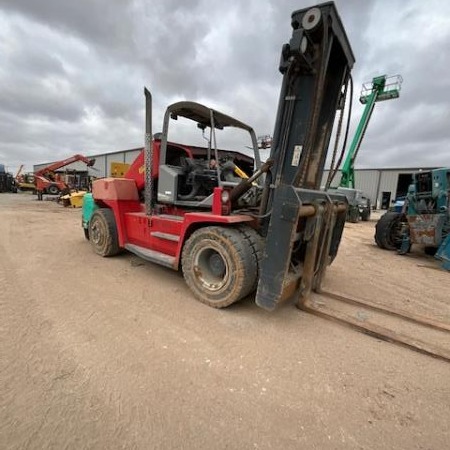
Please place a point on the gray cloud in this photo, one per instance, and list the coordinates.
(72, 73)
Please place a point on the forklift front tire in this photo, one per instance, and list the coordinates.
(219, 265)
(102, 233)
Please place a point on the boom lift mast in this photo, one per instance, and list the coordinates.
(65, 162)
(380, 89)
(19, 171)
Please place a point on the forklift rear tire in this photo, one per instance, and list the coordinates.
(86, 233)
(103, 233)
(219, 265)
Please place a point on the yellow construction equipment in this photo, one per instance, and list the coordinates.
(118, 170)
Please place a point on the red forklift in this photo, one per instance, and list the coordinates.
(274, 232)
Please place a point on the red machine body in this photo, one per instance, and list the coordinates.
(160, 236)
(49, 183)
(162, 233)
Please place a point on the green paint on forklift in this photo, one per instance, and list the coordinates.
(89, 207)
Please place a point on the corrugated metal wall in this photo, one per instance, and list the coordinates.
(389, 181)
(365, 180)
(130, 156)
(100, 168)
(373, 182)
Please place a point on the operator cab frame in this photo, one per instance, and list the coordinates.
(191, 183)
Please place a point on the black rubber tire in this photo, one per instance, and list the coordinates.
(103, 233)
(386, 230)
(353, 214)
(430, 251)
(53, 189)
(86, 233)
(257, 243)
(232, 253)
(365, 215)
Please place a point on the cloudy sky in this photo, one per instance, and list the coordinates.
(72, 72)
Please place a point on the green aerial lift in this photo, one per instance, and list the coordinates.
(379, 89)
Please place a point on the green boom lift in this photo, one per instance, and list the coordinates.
(379, 89)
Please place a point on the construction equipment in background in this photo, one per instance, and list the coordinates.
(380, 89)
(118, 170)
(24, 181)
(19, 171)
(7, 181)
(73, 199)
(232, 237)
(424, 220)
(47, 181)
(264, 141)
(359, 205)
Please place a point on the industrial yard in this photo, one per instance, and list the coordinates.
(203, 243)
(117, 353)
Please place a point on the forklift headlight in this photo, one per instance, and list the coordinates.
(225, 197)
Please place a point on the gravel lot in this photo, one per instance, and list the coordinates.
(115, 353)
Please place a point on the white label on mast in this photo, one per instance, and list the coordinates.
(296, 155)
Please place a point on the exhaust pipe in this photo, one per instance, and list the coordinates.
(148, 153)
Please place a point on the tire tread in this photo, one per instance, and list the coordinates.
(242, 254)
(383, 230)
(111, 244)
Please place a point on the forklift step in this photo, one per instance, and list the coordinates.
(151, 255)
(166, 236)
(171, 217)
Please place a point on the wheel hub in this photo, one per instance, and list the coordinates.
(217, 265)
(95, 234)
(211, 269)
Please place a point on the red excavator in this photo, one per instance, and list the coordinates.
(49, 182)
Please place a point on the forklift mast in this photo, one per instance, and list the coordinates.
(381, 88)
(301, 224)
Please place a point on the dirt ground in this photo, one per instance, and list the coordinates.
(115, 353)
